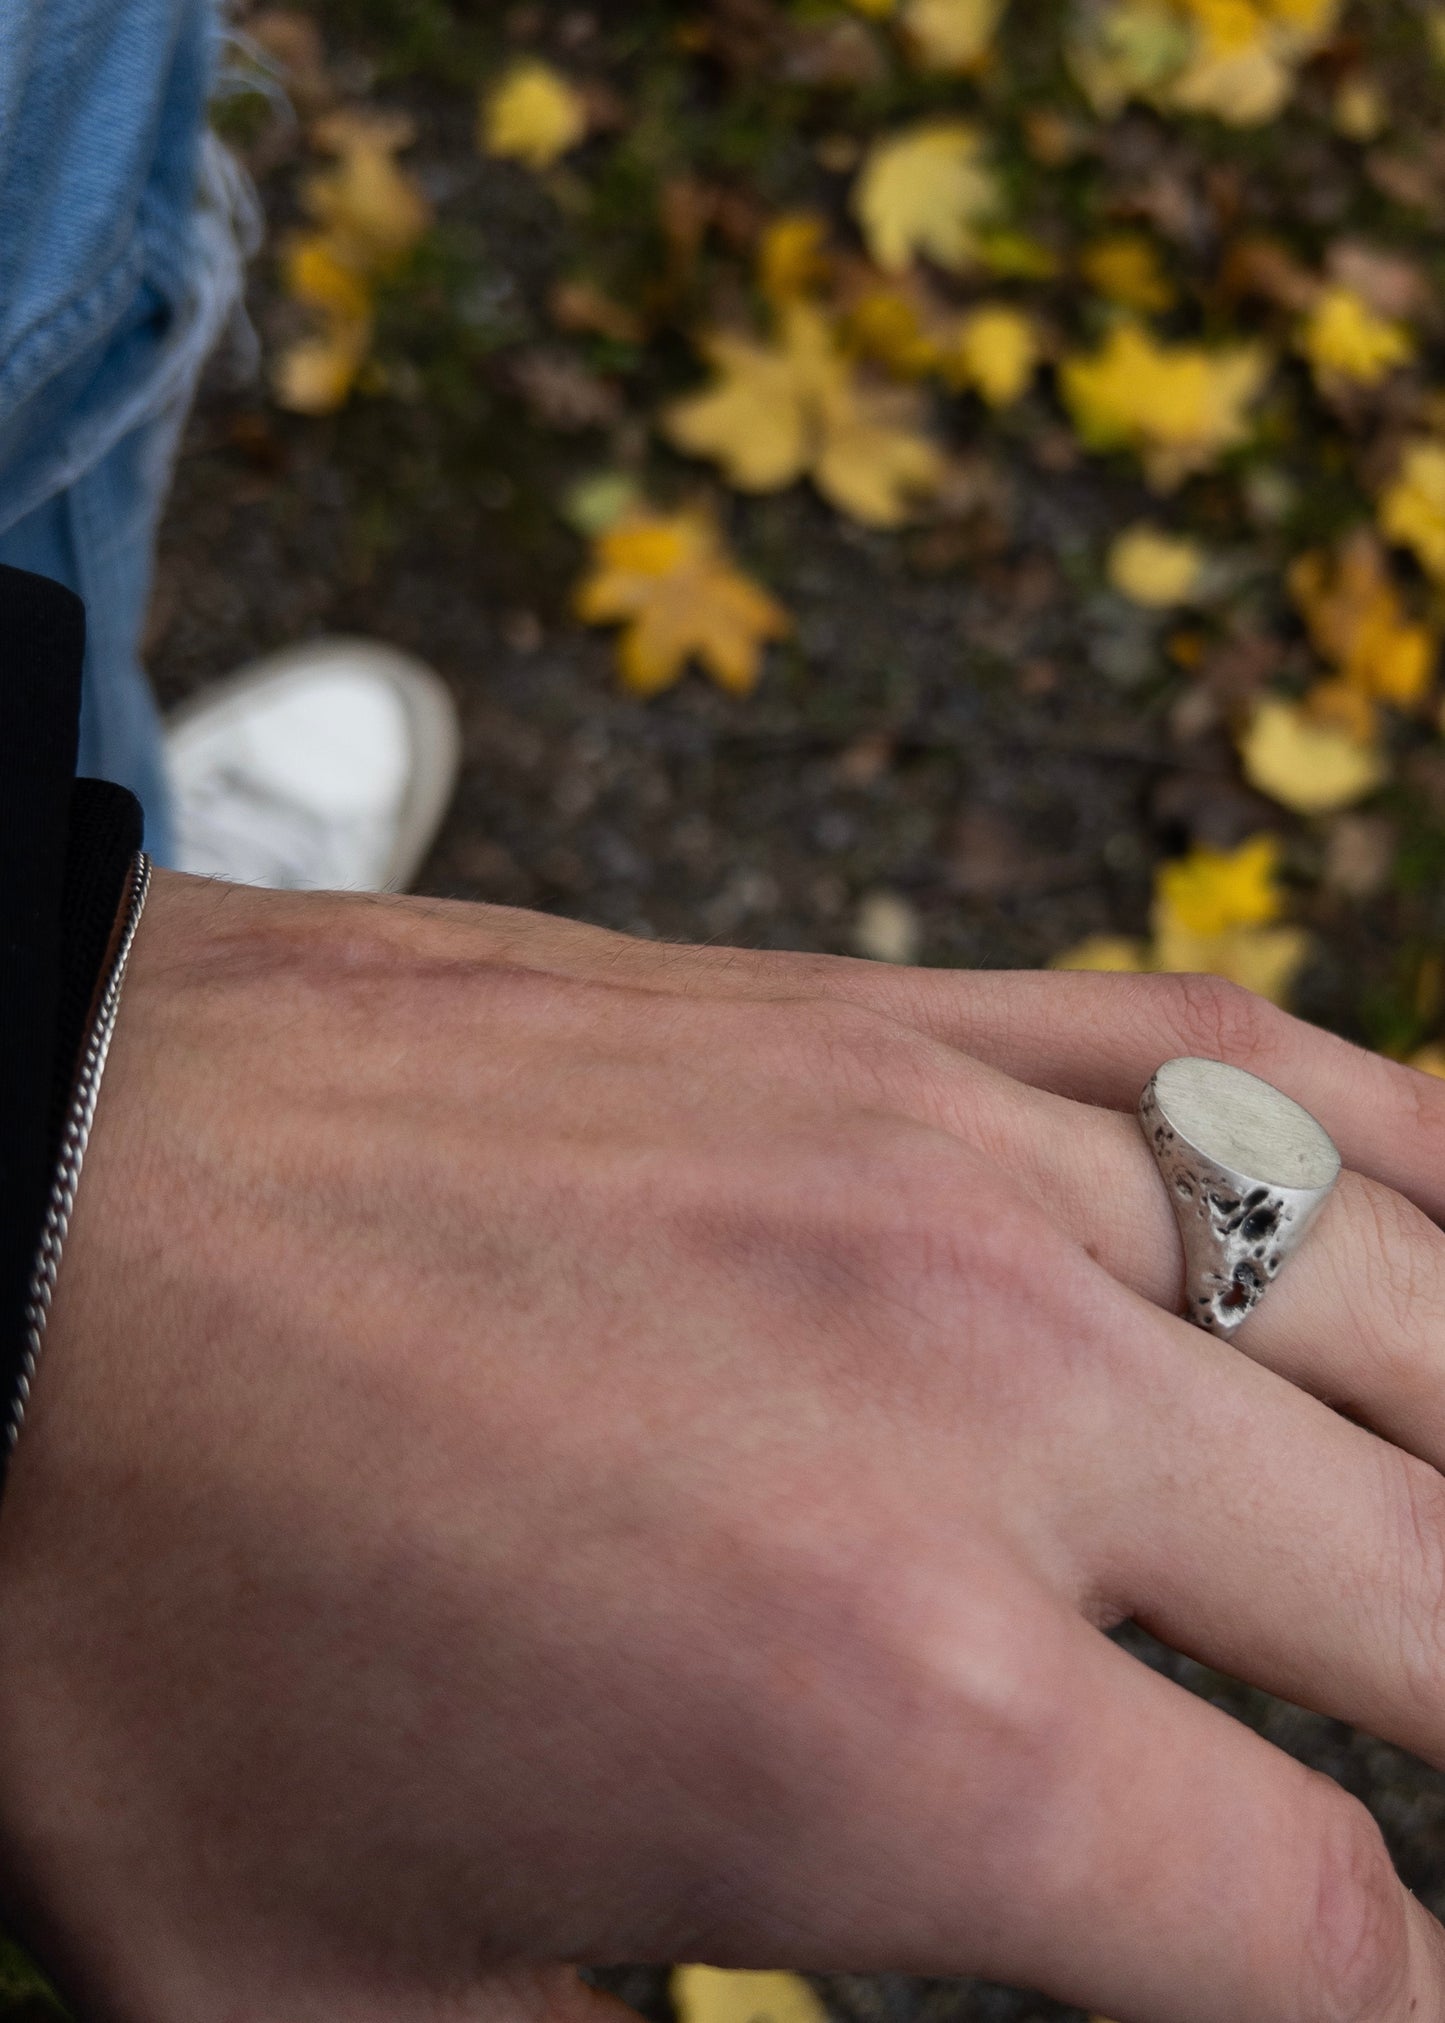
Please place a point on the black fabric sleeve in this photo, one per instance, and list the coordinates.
(68, 849)
(42, 646)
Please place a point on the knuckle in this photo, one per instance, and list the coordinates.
(1421, 1100)
(929, 1656)
(867, 1051)
(1399, 1280)
(1221, 1020)
(1415, 1579)
(1357, 1954)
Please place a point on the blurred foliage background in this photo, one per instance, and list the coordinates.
(942, 480)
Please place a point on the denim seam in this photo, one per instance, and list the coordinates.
(44, 348)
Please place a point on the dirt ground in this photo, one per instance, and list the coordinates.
(955, 723)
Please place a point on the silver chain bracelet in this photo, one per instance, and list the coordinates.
(74, 1139)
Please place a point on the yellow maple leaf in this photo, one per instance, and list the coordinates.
(1344, 340)
(1356, 621)
(667, 579)
(1214, 912)
(925, 191)
(952, 35)
(1124, 267)
(721, 1995)
(368, 215)
(1112, 954)
(1235, 59)
(1265, 960)
(1211, 891)
(1178, 406)
(1242, 86)
(995, 350)
(316, 373)
(1412, 507)
(1154, 568)
(1127, 49)
(373, 213)
(779, 412)
(531, 115)
(1307, 765)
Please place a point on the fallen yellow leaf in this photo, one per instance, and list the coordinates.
(1211, 891)
(1265, 960)
(1016, 256)
(996, 350)
(925, 191)
(531, 115)
(719, 1995)
(1430, 1060)
(1129, 49)
(668, 580)
(1361, 110)
(1307, 765)
(314, 275)
(1214, 912)
(792, 257)
(372, 212)
(1356, 621)
(1344, 340)
(1412, 507)
(315, 374)
(1178, 406)
(369, 215)
(1115, 954)
(779, 412)
(1235, 59)
(890, 323)
(1153, 568)
(953, 35)
(1124, 267)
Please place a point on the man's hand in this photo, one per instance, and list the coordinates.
(557, 1449)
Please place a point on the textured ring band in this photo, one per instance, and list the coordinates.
(1247, 1170)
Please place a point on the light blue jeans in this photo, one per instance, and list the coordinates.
(119, 268)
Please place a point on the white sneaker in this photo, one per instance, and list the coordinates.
(327, 767)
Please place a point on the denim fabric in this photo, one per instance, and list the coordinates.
(119, 266)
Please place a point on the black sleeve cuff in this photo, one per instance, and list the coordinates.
(67, 849)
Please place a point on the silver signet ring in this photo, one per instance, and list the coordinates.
(1247, 1170)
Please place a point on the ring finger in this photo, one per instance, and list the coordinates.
(1357, 1317)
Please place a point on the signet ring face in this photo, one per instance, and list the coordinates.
(1247, 1170)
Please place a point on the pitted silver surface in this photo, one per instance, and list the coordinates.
(1247, 1169)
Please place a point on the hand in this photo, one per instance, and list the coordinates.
(556, 1449)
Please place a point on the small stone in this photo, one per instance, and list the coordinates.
(886, 928)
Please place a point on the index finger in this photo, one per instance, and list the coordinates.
(1099, 1038)
(1093, 1037)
